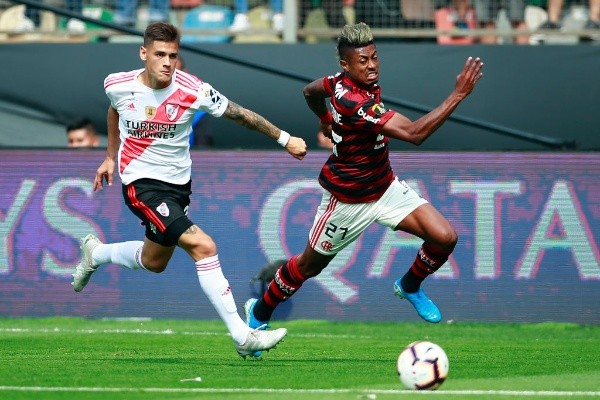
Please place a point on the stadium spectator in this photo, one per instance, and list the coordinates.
(490, 12)
(241, 22)
(458, 17)
(337, 12)
(149, 121)
(547, 15)
(554, 10)
(418, 13)
(126, 12)
(82, 133)
(555, 13)
(359, 185)
(392, 14)
(73, 25)
(593, 21)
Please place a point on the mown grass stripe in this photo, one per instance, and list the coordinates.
(528, 393)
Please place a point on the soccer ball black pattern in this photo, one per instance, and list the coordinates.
(422, 365)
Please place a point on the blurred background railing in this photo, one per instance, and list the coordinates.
(310, 21)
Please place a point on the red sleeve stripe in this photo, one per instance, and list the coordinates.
(119, 78)
(328, 85)
(188, 80)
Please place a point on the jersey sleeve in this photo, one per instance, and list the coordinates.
(211, 101)
(108, 90)
(329, 84)
(372, 115)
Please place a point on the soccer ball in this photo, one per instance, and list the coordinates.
(422, 365)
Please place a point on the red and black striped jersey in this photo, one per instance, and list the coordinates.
(359, 169)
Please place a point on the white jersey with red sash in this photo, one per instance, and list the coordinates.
(155, 124)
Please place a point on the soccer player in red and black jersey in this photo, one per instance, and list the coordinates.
(360, 186)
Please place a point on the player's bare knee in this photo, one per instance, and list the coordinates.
(202, 247)
(156, 266)
(450, 240)
(207, 246)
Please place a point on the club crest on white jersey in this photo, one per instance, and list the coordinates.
(171, 111)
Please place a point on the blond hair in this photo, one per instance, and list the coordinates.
(353, 36)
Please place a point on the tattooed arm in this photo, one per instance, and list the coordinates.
(251, 120)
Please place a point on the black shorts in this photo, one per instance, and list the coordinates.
(161, 206)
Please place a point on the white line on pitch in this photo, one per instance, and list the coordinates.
(160, 332)
(529, 393)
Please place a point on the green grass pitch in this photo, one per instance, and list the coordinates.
(71, 358)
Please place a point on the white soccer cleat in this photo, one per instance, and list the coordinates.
(260, 340)
(85, 268)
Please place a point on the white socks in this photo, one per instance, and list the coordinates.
(127, 254)
(212, 281)
(216, 287)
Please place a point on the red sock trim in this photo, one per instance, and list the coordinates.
(292, 267)
(418, 271)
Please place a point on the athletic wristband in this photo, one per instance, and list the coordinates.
(326, 119)
(284, 138)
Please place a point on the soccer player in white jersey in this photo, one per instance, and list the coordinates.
(149, 122)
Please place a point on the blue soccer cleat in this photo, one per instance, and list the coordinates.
(253, 322)
(424, 306)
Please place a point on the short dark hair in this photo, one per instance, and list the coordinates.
(81, 123)
(354, 36)
(161, 32)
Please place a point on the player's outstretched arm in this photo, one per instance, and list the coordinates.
(256, 122)
(402, 128)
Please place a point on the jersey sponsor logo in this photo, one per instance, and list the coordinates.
(163, 210)
(367, 117)
(429, 263)
(378, 109)
(153, 228)
(284, 287)
(150, 126)
(150, 112)
(171, 111)
(340, 91)
(152, 130)
(336, 116)
(131, 107)
(380, 137)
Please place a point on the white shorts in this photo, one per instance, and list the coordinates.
(338, 224)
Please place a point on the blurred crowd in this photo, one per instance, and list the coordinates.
(441, 21)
